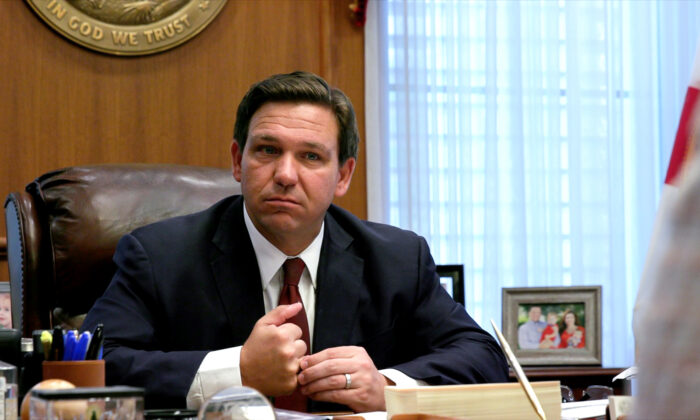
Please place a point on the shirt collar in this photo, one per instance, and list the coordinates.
(270, 259)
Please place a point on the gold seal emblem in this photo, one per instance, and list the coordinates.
(128, 27)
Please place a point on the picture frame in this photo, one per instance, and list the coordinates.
(568, 324)
(5, 306)
(452, 280)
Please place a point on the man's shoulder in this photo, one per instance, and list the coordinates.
(356, 226)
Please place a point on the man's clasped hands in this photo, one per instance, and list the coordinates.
(274, 361)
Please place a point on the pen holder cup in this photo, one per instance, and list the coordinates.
(80, 373)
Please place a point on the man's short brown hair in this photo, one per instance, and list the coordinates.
(300, 87)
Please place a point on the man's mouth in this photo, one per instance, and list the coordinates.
(281, 201)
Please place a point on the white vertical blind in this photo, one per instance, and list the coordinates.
(528, 140)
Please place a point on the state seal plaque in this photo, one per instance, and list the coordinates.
(128, 27)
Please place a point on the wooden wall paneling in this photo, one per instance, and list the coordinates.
(343, 63)
(62, 104)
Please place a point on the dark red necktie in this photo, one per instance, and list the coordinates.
(293, 268)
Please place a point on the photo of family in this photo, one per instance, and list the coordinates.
(551, 326)
(556, 325)
(5, 308)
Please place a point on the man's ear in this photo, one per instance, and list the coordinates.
(236, 159)
(344, 176)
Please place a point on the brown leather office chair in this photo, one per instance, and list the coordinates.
(62, 231)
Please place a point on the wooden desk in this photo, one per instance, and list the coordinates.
(578, 378)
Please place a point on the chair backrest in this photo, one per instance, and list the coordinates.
(63, 230)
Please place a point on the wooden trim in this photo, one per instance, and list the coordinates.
(3, 248)
(548, 372)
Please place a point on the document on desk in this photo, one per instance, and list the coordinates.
(578, 410)
(628, 373)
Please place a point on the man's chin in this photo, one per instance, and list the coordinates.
(280, 222)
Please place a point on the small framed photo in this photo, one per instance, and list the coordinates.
(452, 280)
(5, 306)
(553, 325)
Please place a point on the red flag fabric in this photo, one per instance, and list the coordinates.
(683, 150)
(683, 145)
(665, 324)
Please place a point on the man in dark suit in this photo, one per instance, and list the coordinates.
(197, 305)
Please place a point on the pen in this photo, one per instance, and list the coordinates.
(529, 392)
(81, 346)
(56, 344)
(69, 343)
(94, 351)
(46, 339)
(38, 346)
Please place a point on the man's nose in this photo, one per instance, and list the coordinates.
(286, 170)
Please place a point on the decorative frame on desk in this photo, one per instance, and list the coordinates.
(452, 279)
(553, 325)
(5, 306)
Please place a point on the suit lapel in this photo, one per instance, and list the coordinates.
(339, 284)
(236, 273)
(237, 277)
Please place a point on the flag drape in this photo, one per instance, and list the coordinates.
(683, 151)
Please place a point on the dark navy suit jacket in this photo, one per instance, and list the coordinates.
(191, 284)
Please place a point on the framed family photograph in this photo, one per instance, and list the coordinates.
(452, 280)
(553, 325)
(5, 306)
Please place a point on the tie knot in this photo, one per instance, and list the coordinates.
(293, 268)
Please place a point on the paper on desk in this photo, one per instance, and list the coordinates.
(583, 409)
(628, 373)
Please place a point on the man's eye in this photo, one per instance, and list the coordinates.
(312, 156)
(269, 150)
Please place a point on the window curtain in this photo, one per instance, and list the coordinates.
(528, 140)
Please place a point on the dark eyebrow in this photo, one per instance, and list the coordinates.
(309, 144)
(265, 137)
(316, 146)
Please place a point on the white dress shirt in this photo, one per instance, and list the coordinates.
(220, 369)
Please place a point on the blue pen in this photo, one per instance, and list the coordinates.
(69, 342)
(82, 346)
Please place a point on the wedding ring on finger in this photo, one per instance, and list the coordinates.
(348, 381)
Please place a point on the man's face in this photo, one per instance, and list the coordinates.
(289, 171)
(535, 313)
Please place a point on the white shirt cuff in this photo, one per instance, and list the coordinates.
(401, 379)
(219, 370)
